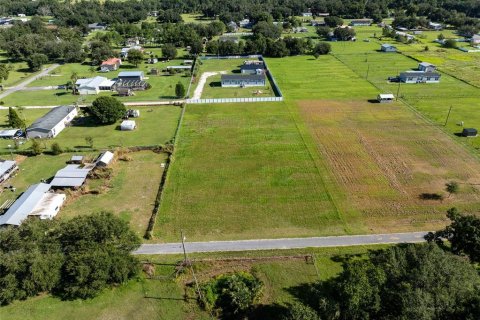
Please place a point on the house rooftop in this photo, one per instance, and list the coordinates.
(6, 165)
(130, 74)
(250, 77)
(252, 66)
(420, 73)
(111, 61)
(426, 64)
(24, 205)
(52, 118)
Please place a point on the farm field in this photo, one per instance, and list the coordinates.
(130, 193)
(213, 88)
(156, 125)
(164, 299)
(243, 171)
(385, 158)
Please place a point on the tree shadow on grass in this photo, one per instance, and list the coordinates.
(86, 122)
(61, 94)
(268, 312)
(215, 84)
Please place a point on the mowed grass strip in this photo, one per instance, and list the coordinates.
(385, 157)
(242, 171)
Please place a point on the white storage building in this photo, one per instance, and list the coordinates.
(7, 168)
(128, 125)
(104, 159)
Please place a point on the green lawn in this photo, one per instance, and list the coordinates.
(244, 171)
(164, 298)
(130, 193)
(156, 125)
(18, 73)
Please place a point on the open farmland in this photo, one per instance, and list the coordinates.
(243, 171)
(385, 157)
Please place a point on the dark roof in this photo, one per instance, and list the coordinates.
(51, 118)
(471, 130)
(250, 77)
(419, 73)
(130, 83)
(252, 66)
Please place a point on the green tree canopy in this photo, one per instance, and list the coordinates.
(36, 61)
(107, 110)
(180, 90)
(169, 51)
(14, 121)
(135, 57)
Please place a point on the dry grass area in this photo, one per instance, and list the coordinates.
(385, 157)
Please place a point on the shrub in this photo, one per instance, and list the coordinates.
(56, 149)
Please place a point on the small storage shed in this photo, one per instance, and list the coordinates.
(469, 132)
(76, 159)
(385, 97)
(128, 125)
(104, 159)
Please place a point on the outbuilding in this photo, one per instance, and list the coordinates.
(72, 176)
(7, 168)
(386, 47)
(426, 67)
(128, 125)
(49, 205)
(104, 159)
(385, 97)
(469, 132)
(52, 123)
(131, 75)
(10, 133)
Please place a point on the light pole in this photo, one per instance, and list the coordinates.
(11, 152)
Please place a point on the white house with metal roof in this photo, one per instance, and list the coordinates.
(36, 199)
(52, 123)
(94, 85)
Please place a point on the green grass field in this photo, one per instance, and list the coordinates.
(156, 125)
(165, 299)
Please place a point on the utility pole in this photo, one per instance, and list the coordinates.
(448, 116)
(368, 70)
(183, 246)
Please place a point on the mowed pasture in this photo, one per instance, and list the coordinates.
(244, 171)
(385, 158)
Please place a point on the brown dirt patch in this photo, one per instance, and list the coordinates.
(384, 156)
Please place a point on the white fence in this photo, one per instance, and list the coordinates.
(233, 100)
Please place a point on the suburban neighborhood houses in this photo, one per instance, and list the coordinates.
(260, 160)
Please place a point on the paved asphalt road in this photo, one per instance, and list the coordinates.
(288, 243)
(25, 83)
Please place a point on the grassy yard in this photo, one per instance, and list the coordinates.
(164, 299)
(130, 193)
(19, 72)
(213, 88)
(156, 125)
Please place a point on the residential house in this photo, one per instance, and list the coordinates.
(7, 168)
(361, 22)
(243, 80)
(187, 62)
(94, 85)
(152, 60)
(299, 30)
(404, 34)
(36, 200)
(111, 64)
(419, 77)
(317, 23)
(388, 48)
(426, 67)
(245, 23)
(97, 26)
(307, 14)
(52, 123)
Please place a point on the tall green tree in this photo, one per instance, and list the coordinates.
(169, 51)
(14, 121)
(4, 72)
(135, 57)
(107, 110)
(36, 61)
(180, 90)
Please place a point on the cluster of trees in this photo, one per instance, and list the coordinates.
(407, 281)
(107, 110)
(71, 259)
(34, 43)
(233, 295)
(80, 13)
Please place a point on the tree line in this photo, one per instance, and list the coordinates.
(70, 259)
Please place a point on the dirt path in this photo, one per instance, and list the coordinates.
(201, 83)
